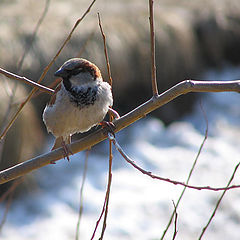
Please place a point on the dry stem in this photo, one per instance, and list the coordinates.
(153, 60)
(219, 201)
(105, 50)
(150, 174)
(175, 221)
(106, 200)
(108, 190)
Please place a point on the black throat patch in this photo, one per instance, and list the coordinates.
(83, 96)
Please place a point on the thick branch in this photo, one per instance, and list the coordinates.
(131, 117)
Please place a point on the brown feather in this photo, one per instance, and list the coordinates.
(53, 97)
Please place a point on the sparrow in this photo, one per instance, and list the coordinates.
(80, 101)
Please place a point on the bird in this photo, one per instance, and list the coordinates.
(80, 102)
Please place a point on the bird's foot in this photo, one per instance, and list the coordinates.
(113, 113)
(108, 127)
(67, 150)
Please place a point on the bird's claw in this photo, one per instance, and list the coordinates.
(108, 127)
(66, 151)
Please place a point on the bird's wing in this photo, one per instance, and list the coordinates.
(53, 97)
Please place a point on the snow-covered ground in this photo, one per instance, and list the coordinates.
(139, 206)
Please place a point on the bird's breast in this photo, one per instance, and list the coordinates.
(79, 110)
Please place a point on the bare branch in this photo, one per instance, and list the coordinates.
(106, 200)
(26, 80)
(99, 219)
(108, 190)
(126, 120)
(153, 59)
(149, 174)
(105, 50)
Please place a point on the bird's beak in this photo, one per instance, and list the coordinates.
(59, 73)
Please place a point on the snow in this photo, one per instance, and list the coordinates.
(140, 207)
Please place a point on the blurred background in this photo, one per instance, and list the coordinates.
(194, 40)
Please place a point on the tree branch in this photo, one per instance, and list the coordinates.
(151, 175)
(131, 117)
(26, 80)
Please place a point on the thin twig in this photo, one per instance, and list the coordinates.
(108, 190)
(27, 81)
(219, 201)
(45, 71)
(105, 50)
(106, 200)
(153, 58)
(191, 171)
(121, 123)
(175, 221)
(52, 85)
(99, 219)
(112, 113)
(149, 174)
(81, 193)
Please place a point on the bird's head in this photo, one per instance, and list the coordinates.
(78, 71)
